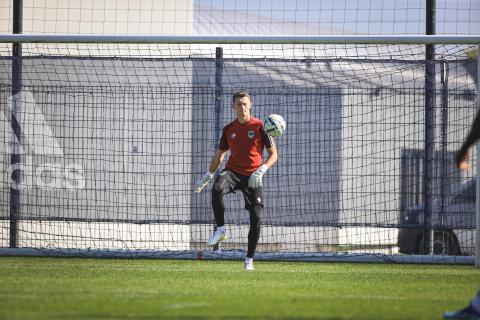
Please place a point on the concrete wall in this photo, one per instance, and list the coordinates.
(138, 17)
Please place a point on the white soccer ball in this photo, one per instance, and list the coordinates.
(274, 125)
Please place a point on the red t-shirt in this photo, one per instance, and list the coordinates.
(246, 142)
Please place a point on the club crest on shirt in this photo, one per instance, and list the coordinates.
(233, 135)
(251, 134)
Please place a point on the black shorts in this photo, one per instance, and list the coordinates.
(235, 181)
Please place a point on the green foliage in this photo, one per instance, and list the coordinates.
(472, 54)
(58, 288)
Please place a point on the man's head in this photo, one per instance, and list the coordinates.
(242, 103)
(241, 94)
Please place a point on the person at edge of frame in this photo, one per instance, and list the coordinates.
(472, 311)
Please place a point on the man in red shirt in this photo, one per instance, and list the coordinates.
(246, 139)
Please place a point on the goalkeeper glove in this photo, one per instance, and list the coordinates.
(255, 180)
(203, 181)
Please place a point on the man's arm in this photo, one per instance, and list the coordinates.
(214, 164)
(255, 180)
(272, 156)
(217, 160)
(473, 136)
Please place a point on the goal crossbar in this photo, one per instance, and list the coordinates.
(241, 39)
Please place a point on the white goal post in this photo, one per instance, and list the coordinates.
(243, 39)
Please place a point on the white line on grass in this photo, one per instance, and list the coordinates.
(186, 305)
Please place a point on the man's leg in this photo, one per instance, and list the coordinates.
(220, 188)
(254, 204)
(254, 232)
(223, 185)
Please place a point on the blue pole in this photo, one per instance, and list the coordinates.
(477, 191)
(429, 158)
(218, 98)
(15, 158)
(444, 117)
(218, 91)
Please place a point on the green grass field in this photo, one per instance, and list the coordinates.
(70, 288)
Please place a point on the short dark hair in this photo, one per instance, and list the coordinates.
(241, 94)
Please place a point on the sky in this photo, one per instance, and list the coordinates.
(353, 16)
(270, 17)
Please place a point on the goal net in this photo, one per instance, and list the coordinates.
(111, 138)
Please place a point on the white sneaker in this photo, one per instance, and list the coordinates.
(219, 235)
(249, 264)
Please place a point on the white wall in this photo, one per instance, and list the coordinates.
(131, 17)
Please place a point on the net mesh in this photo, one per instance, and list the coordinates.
(113, 137)
(204, 17)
